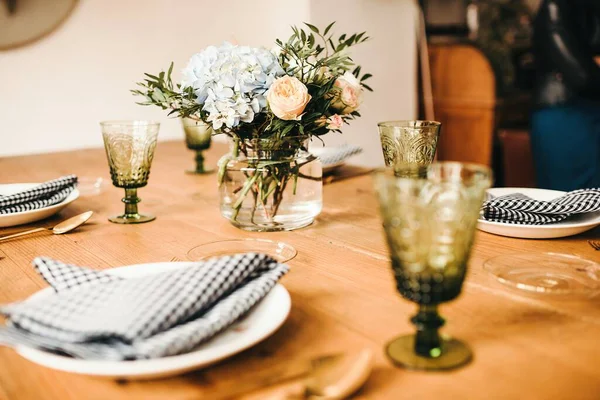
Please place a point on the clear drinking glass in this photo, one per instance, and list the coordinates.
(409, 142)
(430, 220)
(130, 149)
(198, 136)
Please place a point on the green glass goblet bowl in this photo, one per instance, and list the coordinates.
(430, 221)
(409, 142)
(129, 149)
(198, 137)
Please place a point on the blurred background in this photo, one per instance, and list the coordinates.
(56, 88)
(53, 92)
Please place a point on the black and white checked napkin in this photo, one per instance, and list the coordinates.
(44, 195)
(96, 315)
(516, 208)
(333, 155)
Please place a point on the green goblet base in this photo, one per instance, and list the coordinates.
(451, 354)
(200, 169)
(131, 218)
(203, 171)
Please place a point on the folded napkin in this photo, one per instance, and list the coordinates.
(44, 195)
(334, 155)
(95, 315)
(516, 208)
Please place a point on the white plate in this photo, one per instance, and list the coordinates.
(572, 226)
(27, 217)
(259, 323)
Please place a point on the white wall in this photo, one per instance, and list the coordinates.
(390, 55)
(54, 92)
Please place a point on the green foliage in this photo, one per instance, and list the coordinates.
(316, 58)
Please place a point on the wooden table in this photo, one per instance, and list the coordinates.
(342, 292)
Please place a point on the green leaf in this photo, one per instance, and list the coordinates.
(287, 129)
(170, 70)
(328, 28)
(312, 28)
(152, 77)
(365, 77)
(367, 87)
(158, 96)
(303, 36)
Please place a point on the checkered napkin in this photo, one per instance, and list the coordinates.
(44, 195)
(516, 208)
(334, 155)
(96, 315)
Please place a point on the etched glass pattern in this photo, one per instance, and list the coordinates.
(129, 149)
(409, 142)
(430, 223)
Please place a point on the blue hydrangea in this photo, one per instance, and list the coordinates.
(231, 81)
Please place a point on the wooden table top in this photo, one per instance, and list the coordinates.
(341, 285)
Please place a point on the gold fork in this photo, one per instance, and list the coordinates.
(594, 244)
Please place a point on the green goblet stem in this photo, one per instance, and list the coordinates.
(131, 201)
(427, 340)
(200, 162)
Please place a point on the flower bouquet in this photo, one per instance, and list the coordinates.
(270, 103)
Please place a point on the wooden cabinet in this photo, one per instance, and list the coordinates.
(464, 98)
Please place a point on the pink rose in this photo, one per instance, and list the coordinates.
(288, 97)
(335, 122)
(348, 93)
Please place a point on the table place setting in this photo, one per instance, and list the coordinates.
(122, 323)
(539, 213)
(23, 203)
(113, 310)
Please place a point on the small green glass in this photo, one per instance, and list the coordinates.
(130, 149)
(409, 143)
(198, 136)
(430, 219)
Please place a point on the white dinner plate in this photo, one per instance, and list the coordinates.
(571, 226)
(26, 217)
(266, 317)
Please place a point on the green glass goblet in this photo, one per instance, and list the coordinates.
(409, 143)
(430, 223)
(130, 149)
(198, 137)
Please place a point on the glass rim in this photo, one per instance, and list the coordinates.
(389, 172)
(129, 122)
(409, 123)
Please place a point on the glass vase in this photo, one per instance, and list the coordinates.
(270, 185)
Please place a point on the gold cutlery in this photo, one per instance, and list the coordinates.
(594, 244)
(66, 226)
(327, 377)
